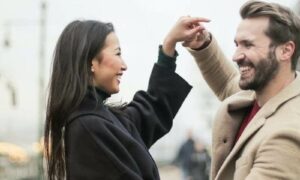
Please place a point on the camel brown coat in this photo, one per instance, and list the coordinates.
(269, 148)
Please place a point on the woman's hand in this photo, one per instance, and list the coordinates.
(186, 30)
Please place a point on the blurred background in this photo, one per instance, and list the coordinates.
(29, 30)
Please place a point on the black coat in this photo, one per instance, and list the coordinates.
(103, 145)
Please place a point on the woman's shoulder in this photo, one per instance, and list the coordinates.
(88, 119)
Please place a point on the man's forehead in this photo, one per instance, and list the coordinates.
(257, 24)
(251, 29)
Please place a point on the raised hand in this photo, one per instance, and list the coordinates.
(185, 30)
(198, 41)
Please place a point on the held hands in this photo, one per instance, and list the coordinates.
(199, 40)
(188, 30)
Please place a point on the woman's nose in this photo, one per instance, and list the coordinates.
(124, 65)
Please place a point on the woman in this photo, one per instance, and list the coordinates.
(86, 139)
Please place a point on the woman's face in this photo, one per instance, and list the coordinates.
(108, 66)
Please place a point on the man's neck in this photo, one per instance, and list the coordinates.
(277, 84)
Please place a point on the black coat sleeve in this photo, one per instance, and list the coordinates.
(153, 111)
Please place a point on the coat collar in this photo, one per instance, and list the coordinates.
(92, 104)
(246, 98)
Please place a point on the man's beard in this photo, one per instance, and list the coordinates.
(265, 70)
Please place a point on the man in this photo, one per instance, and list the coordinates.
(256, 133)
(183, 158)
(200, 162)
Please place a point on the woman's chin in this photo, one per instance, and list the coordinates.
(115, 91)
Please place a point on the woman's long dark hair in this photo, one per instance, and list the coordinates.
(71, 75)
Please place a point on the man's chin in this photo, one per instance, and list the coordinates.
(244, 85)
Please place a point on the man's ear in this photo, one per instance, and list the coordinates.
(286, 51)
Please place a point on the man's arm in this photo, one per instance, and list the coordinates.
(219, 73)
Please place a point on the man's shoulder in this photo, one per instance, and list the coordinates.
(241, 99)
(289, 110)
(243, 94)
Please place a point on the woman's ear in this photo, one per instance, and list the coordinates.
(94, 65)
(286, 51)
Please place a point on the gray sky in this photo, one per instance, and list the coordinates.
(141, 26)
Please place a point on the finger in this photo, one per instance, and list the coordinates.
(203, 35)
(195, 30)
(196, 25)
(205, 32)
(185, 44)
(196, 20)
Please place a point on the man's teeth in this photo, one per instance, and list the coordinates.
(244, 68)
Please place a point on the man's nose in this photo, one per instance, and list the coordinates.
(238, 55)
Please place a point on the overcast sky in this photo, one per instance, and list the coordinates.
(141, 26)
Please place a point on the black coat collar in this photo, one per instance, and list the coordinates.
(92, 104)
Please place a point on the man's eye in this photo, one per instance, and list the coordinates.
(247, 45)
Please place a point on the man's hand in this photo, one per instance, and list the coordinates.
(185, 30)
(199, 40)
